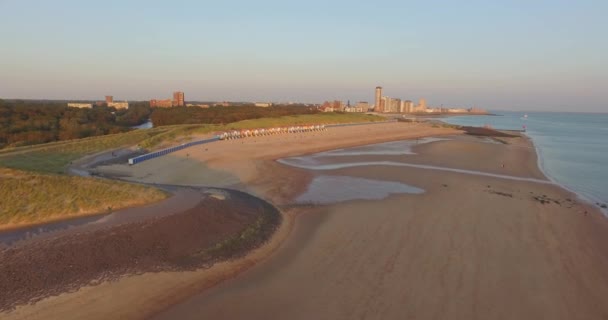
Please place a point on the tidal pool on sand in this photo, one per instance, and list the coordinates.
(401, 147)
(331, 189)
(394, 148)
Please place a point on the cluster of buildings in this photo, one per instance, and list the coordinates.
(118, 105)
(177, 101)
(80, 105)
(109, 102)
(229, 104)
(384, 104)
(394, 105)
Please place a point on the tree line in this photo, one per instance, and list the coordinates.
(32, 122)
(223, 115)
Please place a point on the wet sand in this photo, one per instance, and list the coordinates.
(216, 228)
(468, 247)
(248, 164)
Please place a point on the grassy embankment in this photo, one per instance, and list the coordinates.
(44, 195)
(55, 156)
(186, 132)
(40, 193)
(29, 198)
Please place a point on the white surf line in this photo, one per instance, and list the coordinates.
(412, 165)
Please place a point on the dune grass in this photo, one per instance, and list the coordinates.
(54, 157)
(31, 198)
(305, 119)
(41, 194)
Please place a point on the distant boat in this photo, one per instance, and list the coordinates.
(525, 117)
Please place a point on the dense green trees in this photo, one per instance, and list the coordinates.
(138, 113)
(30, 122)
(223, 115)
(25, 123)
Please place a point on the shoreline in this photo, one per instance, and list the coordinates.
(245, 263)
(264, 255)
(305, 266)
(581, 195)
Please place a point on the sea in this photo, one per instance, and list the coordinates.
(572, 148)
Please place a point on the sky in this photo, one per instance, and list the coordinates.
(507, 55)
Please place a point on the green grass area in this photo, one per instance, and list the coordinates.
(322, 118)
(31, 198)
(182, 132)
(41, 194)
(56, 156)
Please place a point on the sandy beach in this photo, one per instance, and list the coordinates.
(248, 164)
(470, 247)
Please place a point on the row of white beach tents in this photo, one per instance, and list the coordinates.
(238, 134)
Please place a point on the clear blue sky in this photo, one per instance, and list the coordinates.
(532, 55)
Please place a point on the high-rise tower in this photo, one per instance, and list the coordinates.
(377, 108)
(422, 105)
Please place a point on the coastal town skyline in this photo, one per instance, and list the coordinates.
(381, 104)
(303, 160)
(544, 56)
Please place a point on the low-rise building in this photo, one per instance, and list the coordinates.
(355, 109)
(263, 104)
(457, 110)
(363, 105)
(223, 104)
(338, 105)
(80, 105)
(118, 105)
(166, 103)
(332, 106)
(177, 101)
(203, 106)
